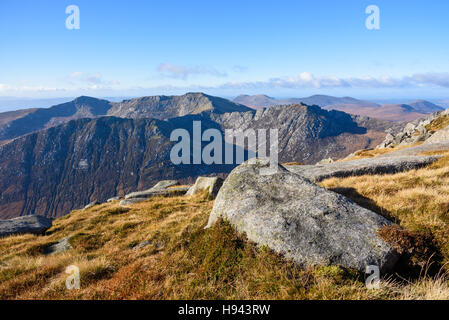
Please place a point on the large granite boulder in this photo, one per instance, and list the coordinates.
(304, 222)
(25, 224)
(212, 184)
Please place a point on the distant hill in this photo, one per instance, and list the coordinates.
(391, 112)
(424, 106)
(165, 107)
(256, 101)
(17, 123)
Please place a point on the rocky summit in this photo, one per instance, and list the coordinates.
(293, 216)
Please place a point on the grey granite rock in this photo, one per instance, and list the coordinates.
(90, 205)
(25, 224)
(378, 165)
(301, 220)
(158, 188)
(62, 245)
(213, 184)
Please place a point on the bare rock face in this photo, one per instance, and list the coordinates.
(359, 167)
(307, 223)
(416, 131)
(25, 224)
(212, 184)
(62, 245)
(162, 188)
(439, 136)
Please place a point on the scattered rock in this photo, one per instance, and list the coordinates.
(25, 224)
(301, 220)
(164, 184)
(378, 165)
(58, 247)
(413, 132)
(212, 184)
(113, 199)
(439, 136)
(325, 161)
(92, 204)
(126, 202)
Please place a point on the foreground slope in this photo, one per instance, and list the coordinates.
(53, 171)
(159, 249)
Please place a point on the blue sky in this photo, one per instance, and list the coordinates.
(224, 47)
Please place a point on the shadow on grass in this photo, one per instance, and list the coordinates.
(419, 252)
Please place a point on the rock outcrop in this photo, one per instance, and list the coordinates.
(53, 171)
(162, 188)
(212, 184)
(25, 224)
(62, 245)
(439, 136)
(413, 132)
(359, 167)
(307, 223)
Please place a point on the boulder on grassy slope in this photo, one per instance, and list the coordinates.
(379, 165)
(212, 184)
(25, 224)
(307, 223)
(160, 186)
(439, 136)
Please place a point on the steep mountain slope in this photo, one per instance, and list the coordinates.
(55, 170)
(165, 107)
(17, 123)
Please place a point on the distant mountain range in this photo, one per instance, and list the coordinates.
(392, 112)
(17, 123)
(57, 159)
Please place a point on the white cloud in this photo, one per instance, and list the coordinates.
(90, 79)
(181, 72)
(308, 80)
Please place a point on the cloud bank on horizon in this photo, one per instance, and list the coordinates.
(94, 82)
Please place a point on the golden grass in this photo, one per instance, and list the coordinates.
(185, 261)
(438, 124)
(182, 261)
(372, 153)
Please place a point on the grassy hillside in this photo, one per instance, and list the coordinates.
(185, 261)
(182, 260)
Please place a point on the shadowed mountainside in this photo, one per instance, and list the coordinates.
(55, 170)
